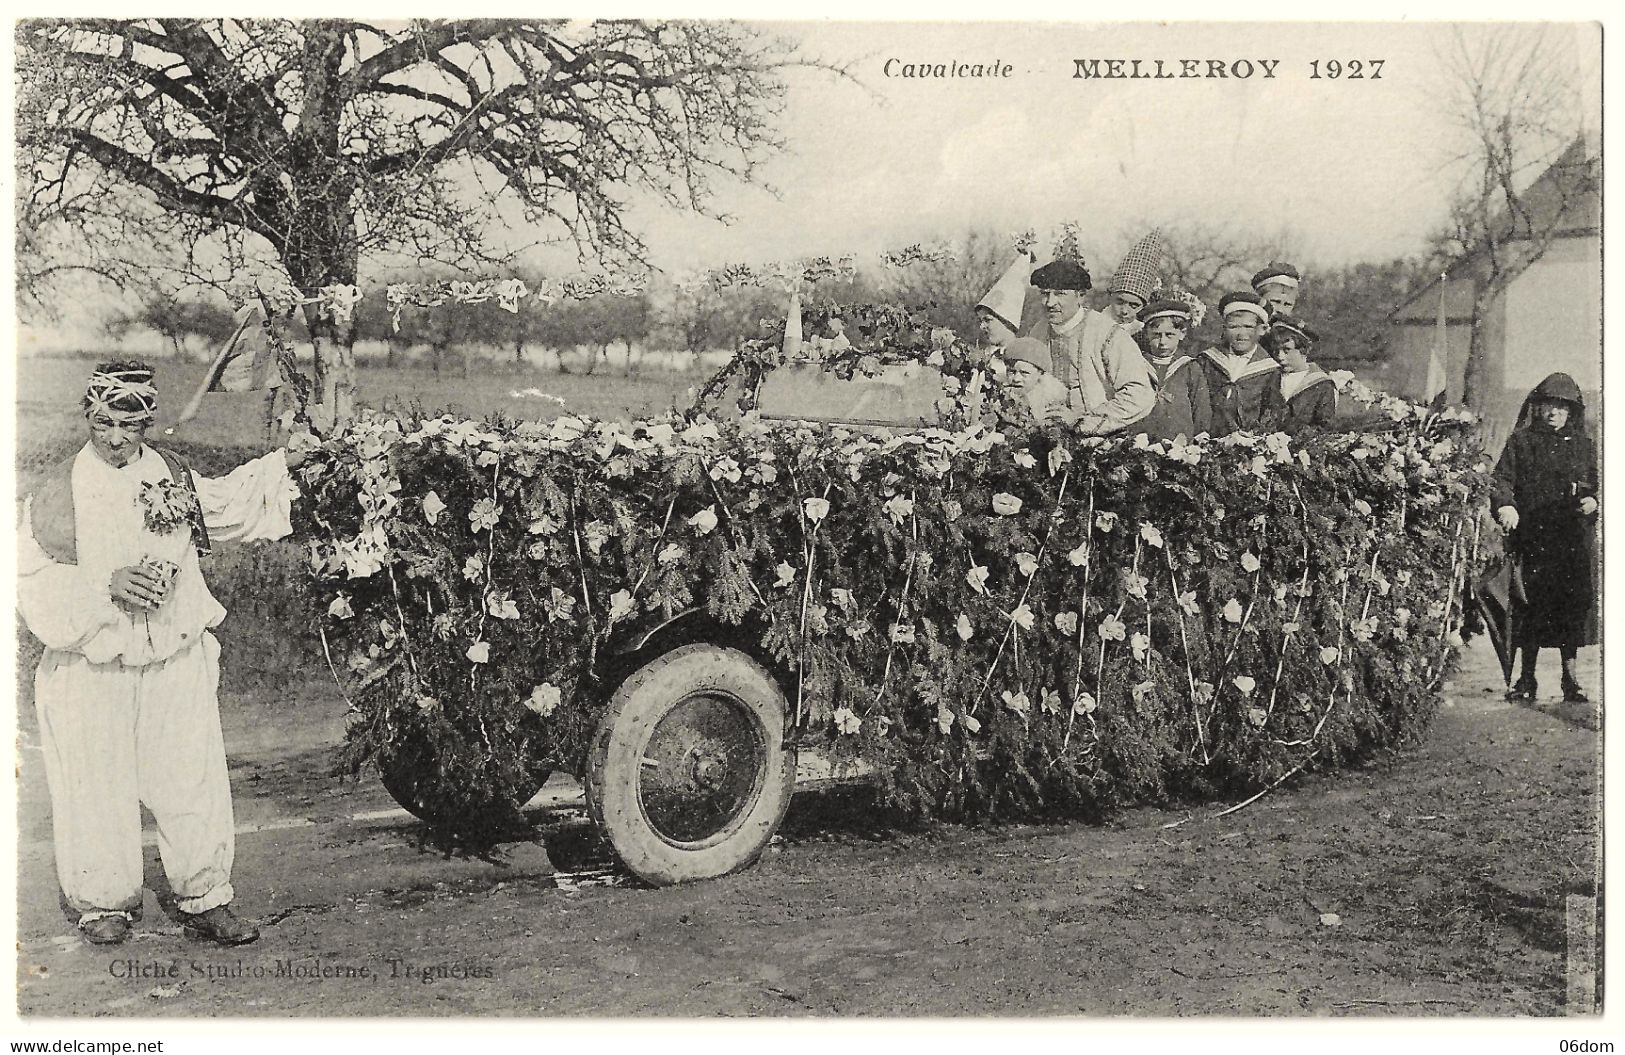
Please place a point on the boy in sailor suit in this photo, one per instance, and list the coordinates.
(1243, 379)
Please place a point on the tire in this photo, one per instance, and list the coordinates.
(409, 774)
(688, 777)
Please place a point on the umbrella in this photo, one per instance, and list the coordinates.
(1494, 598)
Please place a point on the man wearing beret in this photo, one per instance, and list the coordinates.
(1278, 285)
(1108, 385)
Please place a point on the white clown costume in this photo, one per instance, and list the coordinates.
(127, 701)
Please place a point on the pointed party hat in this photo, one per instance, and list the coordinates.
(1008, 294)
(1141, 269)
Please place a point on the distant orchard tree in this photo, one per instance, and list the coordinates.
(329, 140)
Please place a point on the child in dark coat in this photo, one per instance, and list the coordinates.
(1243, 379)
(1308, 392)
(1546, 498)
(1183, 407)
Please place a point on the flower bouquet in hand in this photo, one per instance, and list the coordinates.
(169, 507)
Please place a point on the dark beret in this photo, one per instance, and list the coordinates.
(1276, 272)
(1063, 274)
(1293, 324)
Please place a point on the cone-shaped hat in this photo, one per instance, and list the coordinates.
(1140, 271)
(792, 326)
(1010, 292)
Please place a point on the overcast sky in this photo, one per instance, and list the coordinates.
(1351, 167)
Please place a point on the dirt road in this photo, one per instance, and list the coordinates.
(1433, 883)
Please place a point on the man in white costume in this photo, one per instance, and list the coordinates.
(108, 580)
(1108, 384)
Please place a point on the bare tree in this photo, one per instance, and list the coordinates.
(316, 143)
(1524, 169)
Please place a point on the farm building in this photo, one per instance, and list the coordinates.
(1548, 319)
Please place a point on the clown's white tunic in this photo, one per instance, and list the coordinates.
(127, 704)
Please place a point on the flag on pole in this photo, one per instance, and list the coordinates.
(1434, 390)
(245, 363)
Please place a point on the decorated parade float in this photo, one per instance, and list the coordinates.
(849, 563)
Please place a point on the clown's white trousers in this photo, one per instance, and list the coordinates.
(115, 737)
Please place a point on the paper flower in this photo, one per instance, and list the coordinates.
(1006, 504)
(1112, 629)
(842, 598)
(816, 509)
(1066, 622)
(544, 699)
(899, 508)
(705, 521)
(1024, 458)
(1022, 616)
(1328, 655)
(670, 554)
(1258, 716)
(340, 608)
(1250, 562)
(473, 568)
(1017, 702)
(427, 703)
(1151, 535)
(963, 627)
(901, 634)
(1027, 564)
(479, 652)
(1105, 521)
(432, 507)
(1059, 457)
(1079, 556)
(1187, 603)
(502, 607)
(1140, 645)
(484, 515)
(786, 573)
(620, 605)
(847, 723)
(945, 718)
(1244, 683)
(977, 577)
(1085, 704)
(1232, 611)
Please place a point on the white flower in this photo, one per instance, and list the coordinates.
(1151, 535)
(671, 554)
(847, 723)
(1244, 683)
(1022, 617)
(1112, 629)
(842, 598)
(427, 703)
(971, 723)
(1328, 655)
(432, 507)
(901, 634)
(787, 575)
(1288, 629)
(620, 605)
(945, 718)
(1135, 585)
(705, 521)
(340, 608)
(1017, 702)
(1025, 459)
(1140, 645)
(1006, 504)
(1187, 602)
(544, 699)
(1079, 556)
(816, 509)
(1258, 716)
(479, 652)
(502, 607)
(1105, 521)
(963, 627)
(1232, 610)
(1362, 507)
(1027, 564)
(1058, 458)
(1250, 562)
(899, 508)
(1085, 705)
(977, 577)
(546, 525)
(473, 568)
(1363, 629)
(1066, 622)
(596, 532)
(484, 515)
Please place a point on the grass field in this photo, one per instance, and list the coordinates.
(265, 638)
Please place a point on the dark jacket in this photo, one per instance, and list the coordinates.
(1249, 398)
(1313, 405)
(1184, 407)
(1543, 474)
